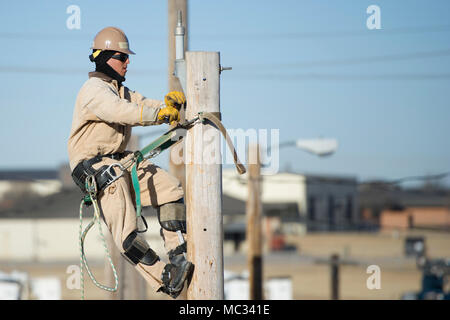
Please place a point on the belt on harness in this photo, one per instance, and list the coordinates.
(104, 176)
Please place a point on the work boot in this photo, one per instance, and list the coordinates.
(173, 277)
(177, 255)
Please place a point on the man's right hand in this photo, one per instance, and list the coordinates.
(168, 114)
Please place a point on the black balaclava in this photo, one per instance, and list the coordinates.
(103, 67)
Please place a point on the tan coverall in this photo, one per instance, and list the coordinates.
(102, 121)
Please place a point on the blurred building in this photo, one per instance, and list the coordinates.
(394, 207)
(416, 217)
(39, 211)
(22, 185)
(298, 203)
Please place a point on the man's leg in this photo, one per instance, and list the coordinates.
(163, 191)
(120, 216)
(172, 219)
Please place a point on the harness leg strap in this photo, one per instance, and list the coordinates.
(172, 216)
(137, 250)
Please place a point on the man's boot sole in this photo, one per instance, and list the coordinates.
(188, 269)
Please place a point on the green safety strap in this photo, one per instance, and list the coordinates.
(135, 180)
(160, 144)
(168, 139)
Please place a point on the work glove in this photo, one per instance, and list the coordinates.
(175, 99)
(168, 114)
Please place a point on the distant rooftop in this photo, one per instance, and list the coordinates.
(66, 204)
(393, 196)
(29, 175)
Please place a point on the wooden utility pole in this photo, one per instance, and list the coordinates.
(334, 275)
(175, 168)
(204, 178)
(254, 227)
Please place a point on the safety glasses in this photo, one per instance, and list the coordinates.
(122, 57)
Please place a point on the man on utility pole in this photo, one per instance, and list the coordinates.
(105, 112)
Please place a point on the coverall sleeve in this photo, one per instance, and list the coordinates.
(107, 105)
(139, 98)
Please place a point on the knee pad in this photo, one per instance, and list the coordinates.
(137, 250)
(172, 216)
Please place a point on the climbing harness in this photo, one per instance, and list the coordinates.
(92, 182)
(103, 176)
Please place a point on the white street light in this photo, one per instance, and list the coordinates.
(320, 147)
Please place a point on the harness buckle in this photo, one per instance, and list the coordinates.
(91, 185)
(112, 175)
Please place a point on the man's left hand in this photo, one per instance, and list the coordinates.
(175, 99)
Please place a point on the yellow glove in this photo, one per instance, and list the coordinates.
(168, 114)
(175, 99)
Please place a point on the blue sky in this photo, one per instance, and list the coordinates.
(309, 68)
